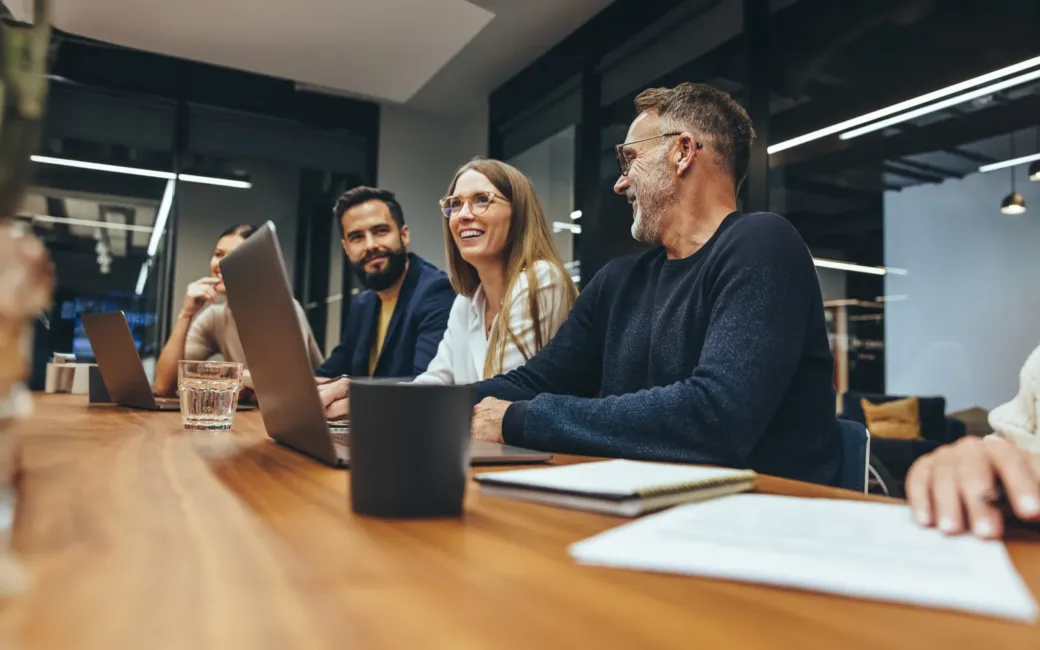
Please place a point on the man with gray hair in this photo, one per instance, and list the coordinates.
(710, 348)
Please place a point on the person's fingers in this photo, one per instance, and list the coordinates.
(976, 481)
(946, 498)
(334, 390)
(338, 409)
(1018, 475)
(919, 490)
(208, 281)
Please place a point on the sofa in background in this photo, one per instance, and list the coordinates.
(898, 455)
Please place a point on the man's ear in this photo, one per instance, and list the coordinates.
(344, 243)
(687, 152)
(405, 236)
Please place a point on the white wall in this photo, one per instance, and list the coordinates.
(972, 313)
(204, 211)
(418, 154)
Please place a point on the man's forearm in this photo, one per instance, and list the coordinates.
(680, 422)
(172, 353)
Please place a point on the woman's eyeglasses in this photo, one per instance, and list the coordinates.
(479, 202)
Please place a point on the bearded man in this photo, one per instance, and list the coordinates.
(710, 348)
(395, 325)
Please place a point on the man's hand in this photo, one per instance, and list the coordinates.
(963, 478)
(335, 397)
(200, 293)
(487, 419)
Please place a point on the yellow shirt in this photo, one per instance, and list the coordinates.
(386, 312)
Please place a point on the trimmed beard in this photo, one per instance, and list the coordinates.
(396, 259)
(652, 193)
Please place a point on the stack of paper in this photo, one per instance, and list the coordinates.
(868, 550)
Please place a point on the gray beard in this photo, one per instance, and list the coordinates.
(652, 199)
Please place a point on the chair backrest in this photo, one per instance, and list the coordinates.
(855, 456)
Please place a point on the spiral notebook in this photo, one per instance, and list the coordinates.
(617, 487)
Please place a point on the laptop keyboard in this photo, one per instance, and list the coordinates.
(340, 439)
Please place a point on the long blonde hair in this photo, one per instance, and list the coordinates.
(528, 242)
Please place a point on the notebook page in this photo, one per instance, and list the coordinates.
(617, 477)
(867, 550)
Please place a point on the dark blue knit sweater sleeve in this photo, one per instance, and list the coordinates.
(761, 298)
(570, 363)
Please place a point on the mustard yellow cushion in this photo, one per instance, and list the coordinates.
(898, 420)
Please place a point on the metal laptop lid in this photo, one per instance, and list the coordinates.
(259, 297)
(118, 361)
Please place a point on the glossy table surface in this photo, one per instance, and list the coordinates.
(138, 534)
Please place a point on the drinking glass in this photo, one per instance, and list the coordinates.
(209, 394)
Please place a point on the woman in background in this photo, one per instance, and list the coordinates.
(205, 326)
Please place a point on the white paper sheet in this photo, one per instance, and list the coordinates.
(868, 550)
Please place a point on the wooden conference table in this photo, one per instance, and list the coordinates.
(140, 535)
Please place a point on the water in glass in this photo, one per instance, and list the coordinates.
(209, 394)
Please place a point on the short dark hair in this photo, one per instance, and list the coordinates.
(364, 194)
(243, 230)
(710, 111)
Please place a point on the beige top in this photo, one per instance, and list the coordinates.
(213, 331)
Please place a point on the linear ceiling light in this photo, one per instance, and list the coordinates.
(846, 266)
(142, 277)
(119, 169)
(902, 106)
(946, 103)
(111, 225)
(138, 171)
(161, 217)
(1009, 163)
(213, 180)
(560, 226)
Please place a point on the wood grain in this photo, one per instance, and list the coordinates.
(141, 535)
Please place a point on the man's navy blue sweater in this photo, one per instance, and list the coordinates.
(720, 358)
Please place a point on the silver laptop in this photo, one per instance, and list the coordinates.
(120, 365)
(258, 293)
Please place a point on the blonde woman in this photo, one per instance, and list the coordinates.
(514, 292)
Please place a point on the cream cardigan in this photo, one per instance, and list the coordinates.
(1019, 419)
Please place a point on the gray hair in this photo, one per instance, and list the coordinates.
(709, 111)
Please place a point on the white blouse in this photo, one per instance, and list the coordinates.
(461, 354)
(1019, 419)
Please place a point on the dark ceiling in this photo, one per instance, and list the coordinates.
(832, 61)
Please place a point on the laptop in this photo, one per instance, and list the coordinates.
(120, 365)
(258, 292)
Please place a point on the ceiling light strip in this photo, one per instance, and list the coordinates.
(946, 103)
(138, 171)
(161, 217)
(1009, 163)
(46, 218)
(848, 266)
(212, 180)
(905, 105)
(118, 169)
(142, 277)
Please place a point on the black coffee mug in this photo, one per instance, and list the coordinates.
(409, 448)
